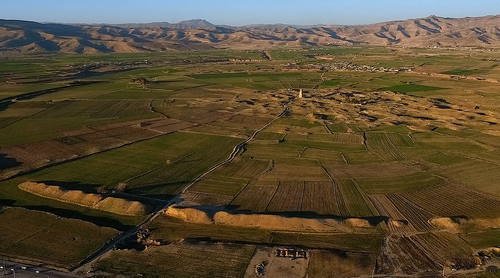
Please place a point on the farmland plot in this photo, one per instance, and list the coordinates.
(338, 197)
(273, 151)
(235, 125)
(251, 122)
(323, 155)
(200, 113)
(445, 142)
(215, 128)
(288, 197)
(454, 200)
(166, 125)
(180, 260)
(219, 184)
(407, 183)
(320, 198)
(374, 170)
(49, 239)
(397, 222)
(330, 264)
(480, 175)
(184, 159)
(421, 253)
(416, 216)
(292, 186)
(297, 125)
(296, 170)
(302, 141)
(355, 200)
(202, 198)
(483, 239)
(231, 178)
(387, 145)
(246, 168)
(443, 247)
(62, 116)
(291, 196)
(156, 166)
(336, 137)
(85, 142)
(255, 197)
(360, 157)
(271, 136)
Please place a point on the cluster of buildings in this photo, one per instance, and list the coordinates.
(343, 66)
(293, 253)
(348, 66)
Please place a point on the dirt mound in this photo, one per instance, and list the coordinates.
(77, 197)
(56, 192)
(358, 222)
(267, 221)
(122, 206)
(275, 222)
(457, 225)
(190, 215)
(446, 223)
(397, 223)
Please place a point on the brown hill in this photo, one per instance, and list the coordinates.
(32, 37)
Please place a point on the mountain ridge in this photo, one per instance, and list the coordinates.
(432, 31)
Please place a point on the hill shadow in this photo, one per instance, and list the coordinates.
(88, 188)
(8, 162)
(102, 221)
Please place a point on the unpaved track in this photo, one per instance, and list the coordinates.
(236, 150)
(86, 264)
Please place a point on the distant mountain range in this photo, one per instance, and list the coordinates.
(32, 37)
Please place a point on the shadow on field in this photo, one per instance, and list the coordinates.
(4, 105)
(8, 162)
(158, 190)
(73, 185)
(71, 214)
(98, 220)
(6, 202)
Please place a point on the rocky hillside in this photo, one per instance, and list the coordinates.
(32, 37)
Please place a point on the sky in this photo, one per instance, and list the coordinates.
(241, 12)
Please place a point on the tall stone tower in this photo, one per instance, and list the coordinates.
(300, 93)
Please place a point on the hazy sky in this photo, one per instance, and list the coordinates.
(240, 12)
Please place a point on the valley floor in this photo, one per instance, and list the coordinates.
(320, 162)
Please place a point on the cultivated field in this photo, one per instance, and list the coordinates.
(375, 169)
(48, 239)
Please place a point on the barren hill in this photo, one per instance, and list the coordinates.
(32, 37)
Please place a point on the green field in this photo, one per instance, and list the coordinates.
(411, 88)
(156, 167)
(369, 149)
(48, 239)
(182, 260)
